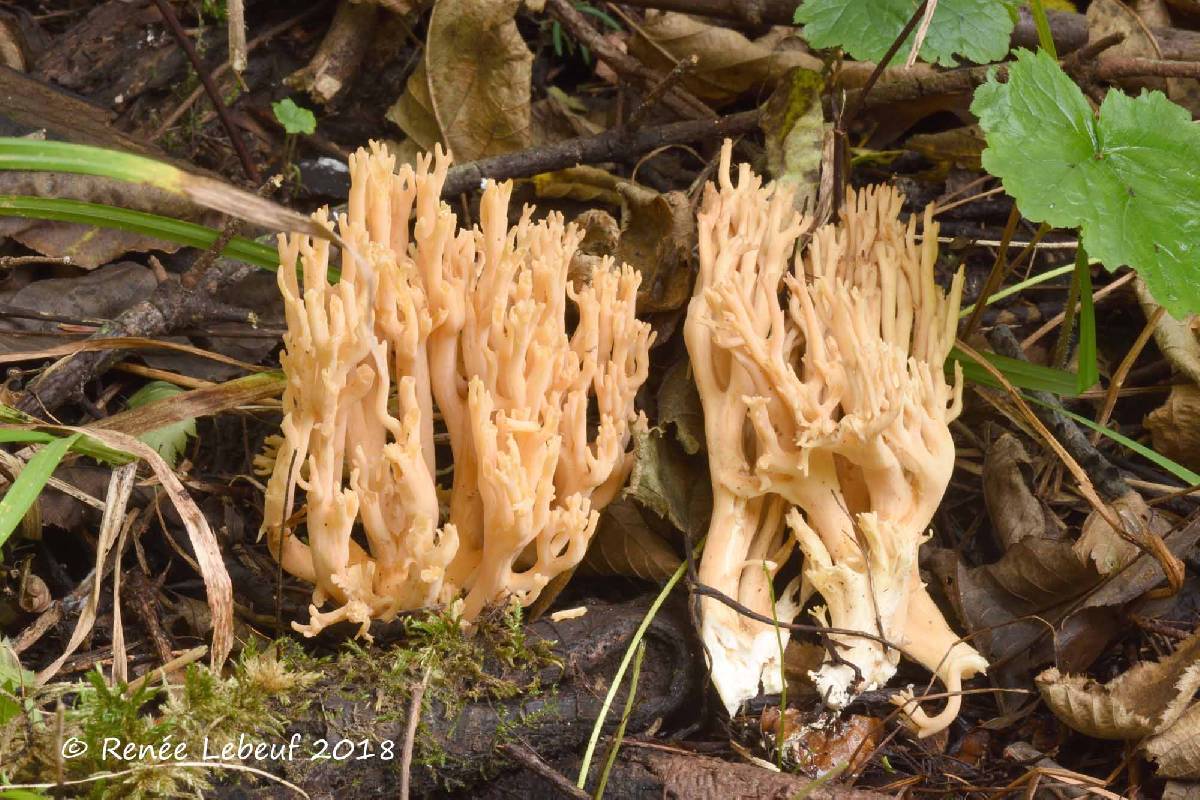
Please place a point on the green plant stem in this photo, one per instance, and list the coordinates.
(1040, 21)
(620, 734)
(782, 672)
(638, 635)
(160, 227)
(1009, 291)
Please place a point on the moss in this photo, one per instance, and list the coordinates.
(262, 692)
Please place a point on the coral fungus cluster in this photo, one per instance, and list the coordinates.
(829, 413)
(475, 324)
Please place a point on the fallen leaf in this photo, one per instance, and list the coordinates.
(1107, 548)
(679, 405)
(670, 483)
(1147, 698)
(1176, 751)
(793, 123)
(1014, 511)
(472, 88)
(1175, 426)
(730, 65)
(624, 545)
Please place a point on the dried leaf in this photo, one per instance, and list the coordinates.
(472, 89)
(1176, 751)
(730, 65)
(793, 122)
(1179, 340)
(679, 405)
(1107, 548)
(1147, 698)
(658, 232)
(625, 545)
(670, 483)
(1175, 426)
(1014, 512)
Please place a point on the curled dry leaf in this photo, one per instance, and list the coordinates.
(1014, 511)
(1178, 340)
(1107, 548)
(1146, 699)
(730, 65)
(670, 483)
(1175, 426)
(471, 90)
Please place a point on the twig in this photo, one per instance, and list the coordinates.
(1108, 480)
(1118, 378)
(658, 90)
(679, 100)
(8, 262)
(410, 733)
(235, 138)
(613, 145)
(1099, 295)
(180, 661)
(995, 278)
(235, 10)
(1111, 69)
(531, 761)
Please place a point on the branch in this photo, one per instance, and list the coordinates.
(613, 145)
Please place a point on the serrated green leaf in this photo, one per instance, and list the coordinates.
(1128, 178)
(294, 119)
(976, 30)
(169, 440)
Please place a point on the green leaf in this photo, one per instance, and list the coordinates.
(976, 30)
(168, 229)
(1127, 178)
(294, 119)
(25, 489)
(169, 440)
(1020, 373)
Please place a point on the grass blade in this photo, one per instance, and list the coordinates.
(1178, 470)
(24, 491)
(620, 734)
(80, 159)
(1041, 277)
(165, 228)
(1021, 373)
(1088, 357)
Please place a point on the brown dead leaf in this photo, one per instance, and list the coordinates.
(679, 405)
(657, 231)
(730, 65)
(625, 545)
(472, 88)
(1107, 548)
(819, 744)
(670, 483)
(1176, 751)
(1147, 698)
(1013, 509)
(1175, 426)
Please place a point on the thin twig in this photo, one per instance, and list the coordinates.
(679, 100)
(531, 761)
(214, 94)
(1099, 295)
(1118, 378)
(410, 733)
(658, 90)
